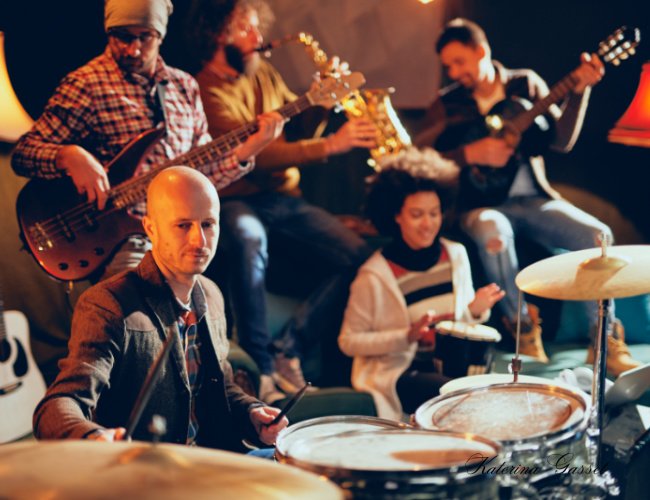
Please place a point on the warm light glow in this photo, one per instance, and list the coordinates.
(633, 128)
(425, 1)
(14, 120)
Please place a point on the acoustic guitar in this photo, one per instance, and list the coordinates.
(21, 384)
(522, 124)
(71, 239)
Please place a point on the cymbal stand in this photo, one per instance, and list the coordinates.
(596, 418)
(515, 365)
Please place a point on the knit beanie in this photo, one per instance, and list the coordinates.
(150, 13)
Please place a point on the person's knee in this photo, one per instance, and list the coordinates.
(491, 230)
(496, 244)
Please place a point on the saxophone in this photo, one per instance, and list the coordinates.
(373, 104)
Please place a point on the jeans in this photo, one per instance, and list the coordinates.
(306, 235)
(549, 222)
(128, 256)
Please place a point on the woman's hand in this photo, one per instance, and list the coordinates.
(485, 298)
(421, 329)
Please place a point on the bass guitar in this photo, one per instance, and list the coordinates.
(21, 384)
(521, 123)
(71, 239)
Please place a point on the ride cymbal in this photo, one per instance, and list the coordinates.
(588, 275)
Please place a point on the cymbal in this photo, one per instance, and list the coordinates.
(89, 469)
(587, 275)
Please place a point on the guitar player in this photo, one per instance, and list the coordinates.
(509, 192)
(98, 108)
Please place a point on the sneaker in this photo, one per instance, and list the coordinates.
(288, 374)
(530, 338)
(269, 393)
(619, 359)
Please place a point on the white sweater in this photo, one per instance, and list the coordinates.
(376, 324)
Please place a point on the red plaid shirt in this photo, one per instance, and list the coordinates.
(101, 108)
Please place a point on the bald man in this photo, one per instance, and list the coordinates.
(119, 327)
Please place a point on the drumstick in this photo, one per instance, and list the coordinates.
(147, 387)
(292, 402)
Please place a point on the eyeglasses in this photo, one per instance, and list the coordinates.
(127, 38)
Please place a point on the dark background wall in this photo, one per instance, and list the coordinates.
(45, 40)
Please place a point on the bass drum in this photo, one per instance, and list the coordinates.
(400, 463)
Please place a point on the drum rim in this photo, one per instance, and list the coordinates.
(387, 424)
(494, 339)
(558, 435)
(460, 477)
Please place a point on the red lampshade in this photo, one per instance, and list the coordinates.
(633, 128)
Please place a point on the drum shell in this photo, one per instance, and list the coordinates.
(458, 357)
(431, 483)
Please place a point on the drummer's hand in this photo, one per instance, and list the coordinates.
(421, 327)
(116, 434)
(485, 298)
(261, 417)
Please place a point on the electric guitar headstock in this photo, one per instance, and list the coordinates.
(331, 89)
(620, 45)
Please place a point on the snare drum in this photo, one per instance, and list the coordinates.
(532, 422)
(464, 349)
(400, 463)
(321, 427)
(474, 381)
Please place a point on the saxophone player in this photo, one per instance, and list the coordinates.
(235, 86)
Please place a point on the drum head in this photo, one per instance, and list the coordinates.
(474, 381)
(394, 451)
(468, 331)
(321, 427)
(506, 412)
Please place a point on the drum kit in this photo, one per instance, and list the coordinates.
(486, 436)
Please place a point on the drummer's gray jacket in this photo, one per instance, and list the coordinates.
(376, 325)
(118, 329)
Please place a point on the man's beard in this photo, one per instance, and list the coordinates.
(239, 62)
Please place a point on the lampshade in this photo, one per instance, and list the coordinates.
(633, 128)
(14, 120)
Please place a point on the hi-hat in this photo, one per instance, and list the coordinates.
(588, 275)
(91, 470)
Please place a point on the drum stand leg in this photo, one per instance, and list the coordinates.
(596, 419)
(601, 480)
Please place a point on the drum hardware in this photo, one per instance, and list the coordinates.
(600, 274)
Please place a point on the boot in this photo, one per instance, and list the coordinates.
(269, 394)
(530, 340)
(288, 374)
(619, 359)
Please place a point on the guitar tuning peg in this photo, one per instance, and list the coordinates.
(632, 51)
(616, 62)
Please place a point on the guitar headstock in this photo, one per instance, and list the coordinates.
(620, 45)
(331, 89)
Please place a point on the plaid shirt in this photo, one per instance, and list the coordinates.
(101, 108)
(188, 322)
